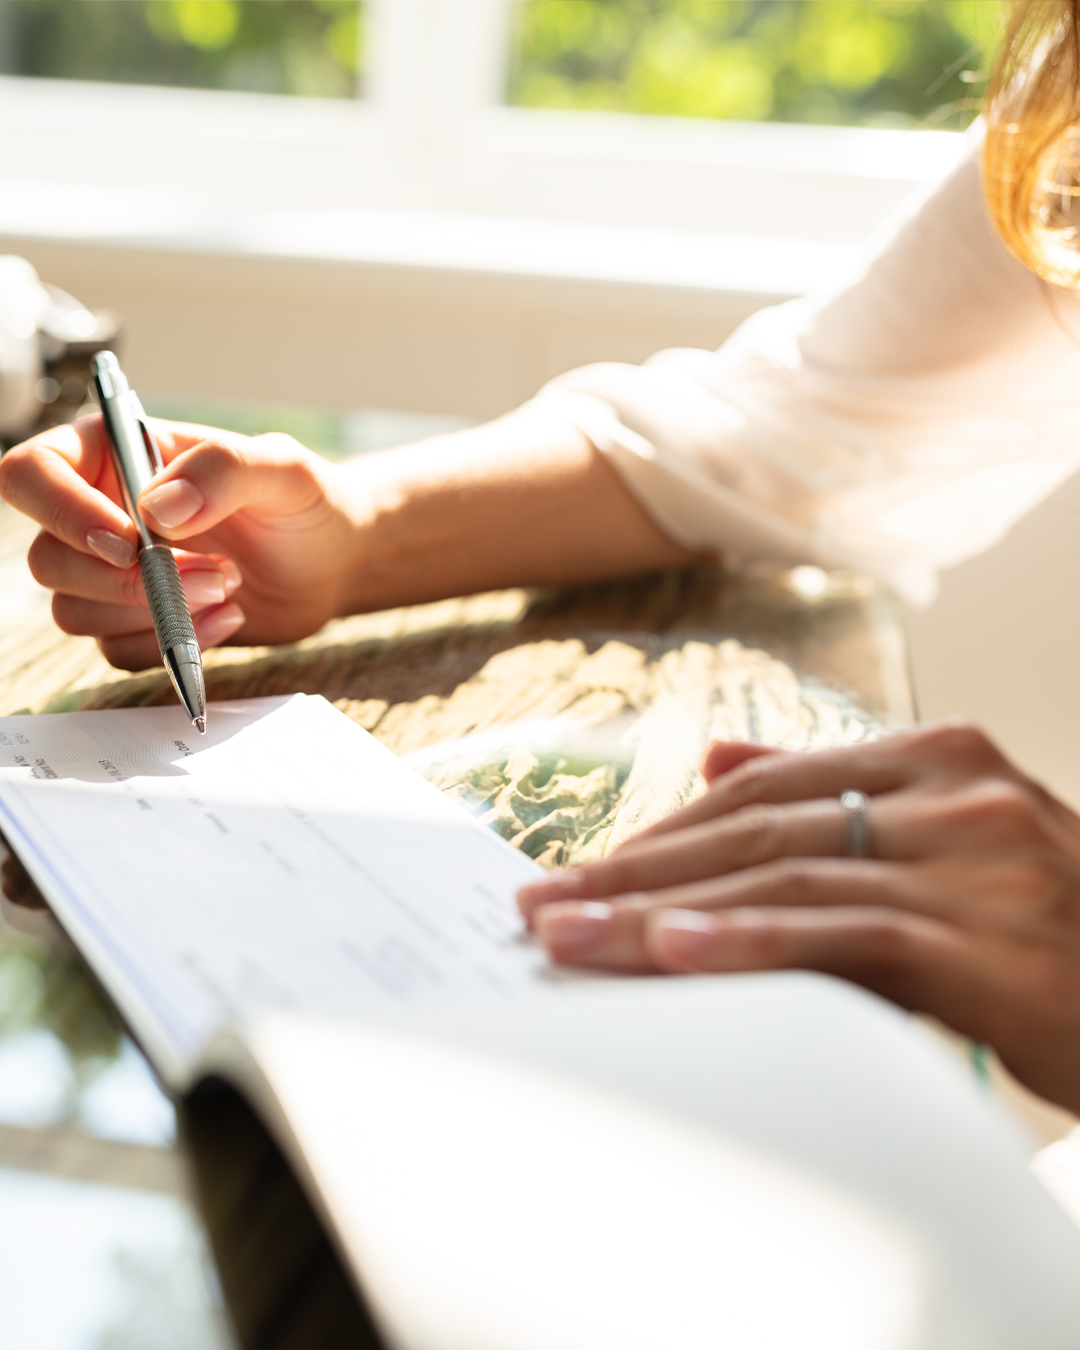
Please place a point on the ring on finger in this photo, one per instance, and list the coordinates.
(857, 841)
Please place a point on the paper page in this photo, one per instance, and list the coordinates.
(286, 860)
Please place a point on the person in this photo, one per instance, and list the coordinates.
(897, 426)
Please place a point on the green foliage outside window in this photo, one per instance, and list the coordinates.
(310, 47)
(868, 62)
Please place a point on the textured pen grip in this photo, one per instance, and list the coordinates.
(165, 594)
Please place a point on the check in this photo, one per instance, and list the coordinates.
(285, 861)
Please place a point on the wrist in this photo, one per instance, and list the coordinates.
(371, 498)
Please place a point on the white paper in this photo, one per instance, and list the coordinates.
(284, 861)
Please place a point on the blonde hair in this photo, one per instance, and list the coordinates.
(1031, 156)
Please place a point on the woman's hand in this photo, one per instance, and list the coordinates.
(268, 533)
(968, 908)
(276, 540)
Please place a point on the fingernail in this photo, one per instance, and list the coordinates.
(111, 547)
(204, 587)
(571, 931)
(686, 935)
(568, 885)
(173, 503)
(231, 573)
(218, 624)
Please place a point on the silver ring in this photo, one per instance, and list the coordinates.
(857, 821)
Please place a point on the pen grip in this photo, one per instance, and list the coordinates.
(165, 595)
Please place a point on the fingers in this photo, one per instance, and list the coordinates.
(946, 752)
(207, 578)
(920, 963)
(613, 935)
(903, 827)
(82, 444)
(88, 618)
(747, 838)
(64, 482)
(723, 756)
(139, 651)
(174, 438)
(596, 935)
(783, 776)
(95, 599)
(204, 485)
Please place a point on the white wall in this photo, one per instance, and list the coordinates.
(1002, 644)
(354, 334)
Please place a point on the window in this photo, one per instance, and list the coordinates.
(430, 246)
(895, 63)
(437, 129)
(878, 63)
(306, 47)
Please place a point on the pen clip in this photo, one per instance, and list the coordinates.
(153, 450)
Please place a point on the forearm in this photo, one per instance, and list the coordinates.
(525, 500)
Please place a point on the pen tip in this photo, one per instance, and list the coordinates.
(200, 722)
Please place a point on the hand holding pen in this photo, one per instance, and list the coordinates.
(271, 540)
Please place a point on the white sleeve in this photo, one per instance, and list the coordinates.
(897, 427)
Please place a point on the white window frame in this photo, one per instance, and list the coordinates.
(437, 250)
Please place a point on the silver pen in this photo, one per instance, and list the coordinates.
(137, 458)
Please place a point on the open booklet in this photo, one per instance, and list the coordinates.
(407, 1131)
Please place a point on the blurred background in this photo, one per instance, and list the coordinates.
(897, 63)
(432, 206)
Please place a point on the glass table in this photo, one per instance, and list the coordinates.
(565, 719)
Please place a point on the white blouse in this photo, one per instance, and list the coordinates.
(897, 426)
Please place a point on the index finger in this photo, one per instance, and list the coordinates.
(872, 767)
(82, 444)
(64, 480)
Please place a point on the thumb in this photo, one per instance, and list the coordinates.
(272, 475)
